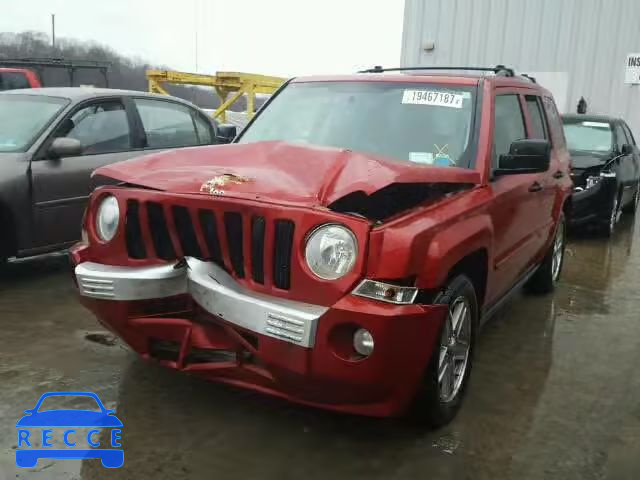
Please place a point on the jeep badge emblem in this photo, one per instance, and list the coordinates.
(212, 186)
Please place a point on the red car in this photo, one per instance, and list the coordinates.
(344, 250)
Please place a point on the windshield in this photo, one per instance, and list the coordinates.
(586, 136)
(22, 117)
(425, 123)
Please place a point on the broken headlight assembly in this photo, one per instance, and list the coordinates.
(592, 181)
(331, 251)
(386, 292)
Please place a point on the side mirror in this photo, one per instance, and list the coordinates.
(226, 133)
(65, 147)
(627, 149)
(525, 156)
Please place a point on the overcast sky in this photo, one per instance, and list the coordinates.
(278, 37)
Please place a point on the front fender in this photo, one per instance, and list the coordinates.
(451, 245)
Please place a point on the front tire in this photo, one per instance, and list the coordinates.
(548, 274)
(443, 388)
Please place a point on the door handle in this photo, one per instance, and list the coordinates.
(558, 174)
(535, 187)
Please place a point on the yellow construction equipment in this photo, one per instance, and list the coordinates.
(225, 83)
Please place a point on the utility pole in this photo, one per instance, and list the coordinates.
(53, 30)
(195, 21)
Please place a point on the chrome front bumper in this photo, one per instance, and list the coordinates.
(210, 287)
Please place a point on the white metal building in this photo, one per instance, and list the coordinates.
(575, 48)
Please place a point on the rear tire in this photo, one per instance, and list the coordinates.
(547, 275)
(633, 206)
(442, 390)
(608, 227)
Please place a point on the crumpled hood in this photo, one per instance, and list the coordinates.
(278, 171)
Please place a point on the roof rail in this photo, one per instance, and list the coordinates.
(498, 69)
(529, 77)
(53, 62)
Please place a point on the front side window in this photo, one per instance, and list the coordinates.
(508, 126)
(426, 124)
(588, 136)
(167, 124)
(100, 128)
(23, 117)
(203, 130)
(630, 136)
(621, 137)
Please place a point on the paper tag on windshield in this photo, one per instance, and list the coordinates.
(426, 158)
(429, 97)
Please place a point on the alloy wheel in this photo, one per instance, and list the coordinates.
(558, 252)
(613, 219)
(455, 346)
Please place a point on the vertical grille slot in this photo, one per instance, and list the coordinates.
(282, 253)
(233, 225)
(257, 249)
(210, 232)
(186, 232)
(133, 231)
(160, 232)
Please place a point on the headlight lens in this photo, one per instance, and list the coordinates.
(593, 181)
(107, 218)
(331, 251)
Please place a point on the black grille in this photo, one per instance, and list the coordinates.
(159, 232)
(257, 249)
(282, 253)
(235, 231)
(133, 232)
(186, 233)
(210, 232)
(233, 225)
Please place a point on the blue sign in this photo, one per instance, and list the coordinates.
(36, 427)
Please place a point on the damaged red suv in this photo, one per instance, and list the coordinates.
(345, 249)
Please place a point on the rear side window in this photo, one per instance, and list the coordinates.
(167, 124)
(508, 126)
(555, 123)
(13, 81)
(538, 125)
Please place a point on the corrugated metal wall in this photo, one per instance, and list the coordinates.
(584, 41)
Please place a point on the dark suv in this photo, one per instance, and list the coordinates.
(605, 165)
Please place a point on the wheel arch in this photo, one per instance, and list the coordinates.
(465, 247)
(9, 237)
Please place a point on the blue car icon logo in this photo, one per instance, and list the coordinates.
(36, 423)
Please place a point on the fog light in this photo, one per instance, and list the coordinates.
(363, 342)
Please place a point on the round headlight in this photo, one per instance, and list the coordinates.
(107, 218)
(331, 251)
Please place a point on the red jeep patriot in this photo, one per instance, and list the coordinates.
(344, 250)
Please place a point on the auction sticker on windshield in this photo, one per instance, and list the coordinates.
(430, 97)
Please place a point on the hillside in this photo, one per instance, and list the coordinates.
(125, 73)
